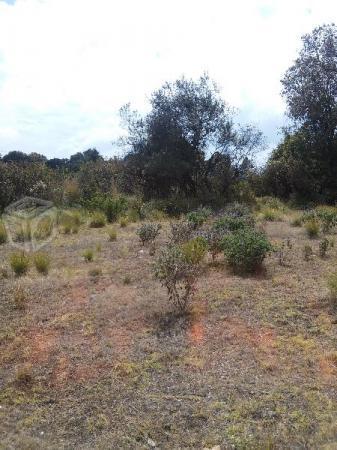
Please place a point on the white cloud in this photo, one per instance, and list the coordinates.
(66, 66)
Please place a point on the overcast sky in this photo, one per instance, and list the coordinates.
(66, 66)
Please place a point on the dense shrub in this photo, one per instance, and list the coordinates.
(246, 249)
(112, 207)
(42, 263)
(214, 239)
(177, 275)
(148, 232)
(19, 263)
(328, 217)
(231, 223)
(198, 217)
(195, 250)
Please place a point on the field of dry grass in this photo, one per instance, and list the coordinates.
(102, 361)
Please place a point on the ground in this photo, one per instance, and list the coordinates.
(103, 362)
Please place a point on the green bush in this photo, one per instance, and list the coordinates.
(195, 250)
(312, 228)
(97, 220)
(230, 223)
(3, 234)
(246, 249)
(112, 207)
(42, 263)
(214, 238)
(148, 232)
(19, 263)
(328, 217)
(197, 218)
(271, 214)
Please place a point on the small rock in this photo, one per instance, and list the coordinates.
(151, 443)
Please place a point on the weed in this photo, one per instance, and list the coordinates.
(195, 250)
(97, 220)
(19, 263)
(42, 263)
(307, 252)
(312, 228)
(271, 214)
(296, 222)
(44, 228)
(127, 280)
(95, 273)
(19, 298)
(123, 223)
(23, 233)
(24, 375)
(112, 234)
(332, 285)
(88, 255)
(198, 217)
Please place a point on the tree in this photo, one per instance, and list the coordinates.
(167, 149)
(310, 90)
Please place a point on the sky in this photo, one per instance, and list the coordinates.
(67, 66)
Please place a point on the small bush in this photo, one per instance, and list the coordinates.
(332, 285)
(3, 234)
(177, 275)
(112, 233)
(214, 240)
(69, 222)
(123, 222)
(19, 298)
(19, 263)
(307, 252)
(323, 247)
(42, 263)
(88, 255)
(312, 228)
(246, 249)
(44, 228)
(148, 232)
(328, 217)
(296, 222)
(180, 232)
(23, 233)
(271, 202)
(271, 214)
(197, 218)
(195, 250)
(97, 220)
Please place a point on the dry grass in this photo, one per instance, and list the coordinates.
(106, 364)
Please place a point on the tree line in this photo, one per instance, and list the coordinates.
(191, 146)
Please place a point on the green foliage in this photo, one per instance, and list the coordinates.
(88, 255)
(328, 217)
(69, 221)
(312, 228)
(112, 207)
(177, 275)
(230, 223)
(19, 263)
(97, 220)
(198, 217)
(42, 263)
(195, 250)
(148, 232)
(246, 249)
(3, 234)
